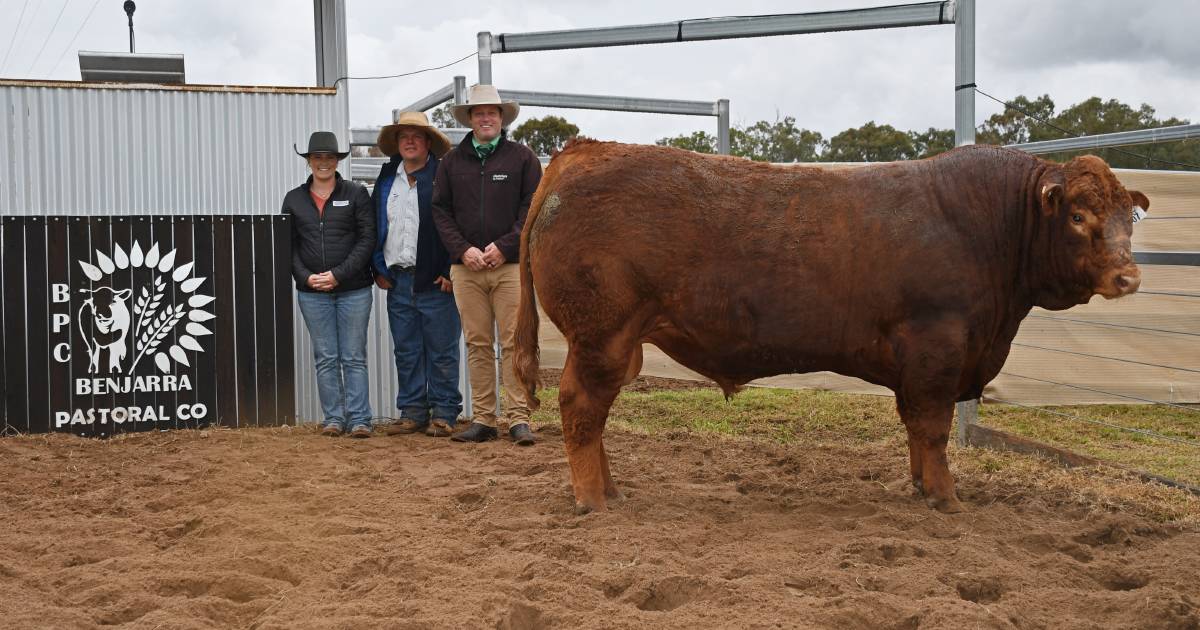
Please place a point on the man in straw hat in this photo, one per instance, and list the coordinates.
(480, 199)
(412, 265)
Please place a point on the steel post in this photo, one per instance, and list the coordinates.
(484, 39)
(964, 72)
(723, 126)
(460, 90)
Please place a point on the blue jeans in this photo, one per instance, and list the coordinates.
(337, 324)
(425, 331)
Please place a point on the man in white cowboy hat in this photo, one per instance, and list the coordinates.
(413, 266)
(480, 199)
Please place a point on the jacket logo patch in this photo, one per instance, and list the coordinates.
(499, 177)
(341, 202)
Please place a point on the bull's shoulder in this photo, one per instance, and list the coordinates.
(595, 157)
(579, 147)
(992, 155)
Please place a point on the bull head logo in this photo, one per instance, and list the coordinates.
(107, 310)
(110, 327)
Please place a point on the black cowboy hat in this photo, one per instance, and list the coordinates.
(322, 142)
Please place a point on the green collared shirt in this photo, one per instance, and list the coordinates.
(493, 143)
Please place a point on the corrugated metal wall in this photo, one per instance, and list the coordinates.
(115, 149)
(72, 148)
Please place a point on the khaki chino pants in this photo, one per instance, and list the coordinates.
(487, 298)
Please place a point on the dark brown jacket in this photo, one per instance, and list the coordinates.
(476, 203)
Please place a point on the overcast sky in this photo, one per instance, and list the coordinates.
(1136, 52)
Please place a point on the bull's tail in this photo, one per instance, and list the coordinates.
(525, 343)
(525, 355)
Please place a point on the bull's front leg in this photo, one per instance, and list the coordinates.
(931, 355)
(928, 426)
(114, 360)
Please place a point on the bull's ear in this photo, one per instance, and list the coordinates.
(1052, 196)
(123, 294)
(1140, 200)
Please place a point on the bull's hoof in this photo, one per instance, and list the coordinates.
(919, 486)
(583, 508)
(949, 505)
(612, 494)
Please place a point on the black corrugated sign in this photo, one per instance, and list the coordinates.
(136, 323)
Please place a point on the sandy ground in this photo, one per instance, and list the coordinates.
(281, 528)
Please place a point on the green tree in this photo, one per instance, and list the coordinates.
(870, 143)
(932, 142)
(698, 141)
(780, 141)
(1095, 116)
(1012, 126)
(441, 117)
(545, 136)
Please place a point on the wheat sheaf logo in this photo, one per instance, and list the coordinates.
(112, 331)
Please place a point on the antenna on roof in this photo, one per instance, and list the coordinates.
(130, 67)
(130, 7)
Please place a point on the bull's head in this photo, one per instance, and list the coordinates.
(106, 306)
(1089, 215)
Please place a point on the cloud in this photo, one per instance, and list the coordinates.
(1029, 33)
(1136, 52)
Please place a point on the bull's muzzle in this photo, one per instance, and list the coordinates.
(1121, 282)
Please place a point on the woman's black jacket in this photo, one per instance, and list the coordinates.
(340, 240)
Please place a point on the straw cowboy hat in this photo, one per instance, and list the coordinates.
(486, 95)
(322, 142)
(388, 141)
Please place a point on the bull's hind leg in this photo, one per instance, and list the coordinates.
(591, 380)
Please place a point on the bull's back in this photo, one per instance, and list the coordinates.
(753, 268)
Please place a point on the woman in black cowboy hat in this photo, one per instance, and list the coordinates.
(333, 236)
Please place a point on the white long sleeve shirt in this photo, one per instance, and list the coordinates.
(404, 220)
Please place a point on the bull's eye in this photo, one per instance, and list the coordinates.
(1078, 218)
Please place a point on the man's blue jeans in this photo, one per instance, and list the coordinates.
(337, 324)
(425, 332)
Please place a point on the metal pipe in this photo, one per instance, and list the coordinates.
(968, 414)
(329, 27)
(962, 13)
(1120, 138)
(723, 126)
(460, 90)
(364, 137)
(484, 39)
(1187, 259)
(367, 136)
(964, 71)
(611, 103)
(923, 14)
(438, 97)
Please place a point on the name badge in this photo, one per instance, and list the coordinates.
(342, 202)
(499, 177)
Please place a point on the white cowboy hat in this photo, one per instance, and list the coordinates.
(486, 95)
(388, 136)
